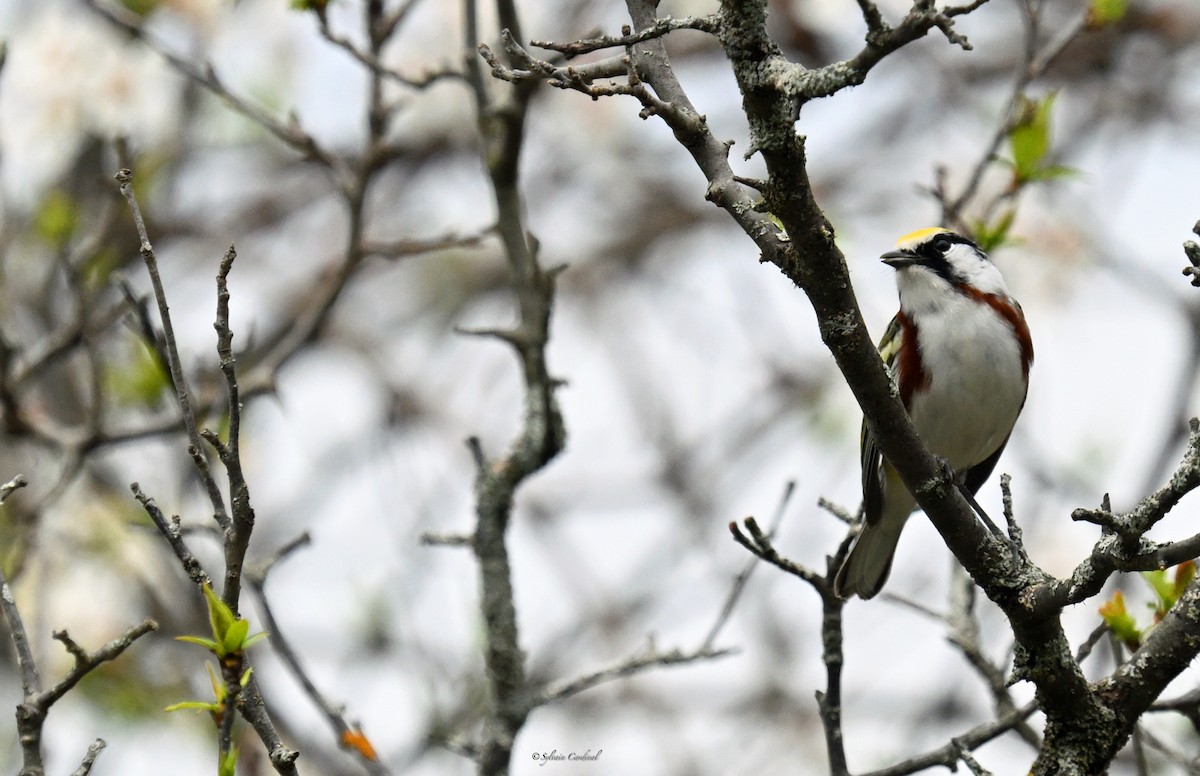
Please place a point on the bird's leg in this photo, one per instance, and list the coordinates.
(960, 483)
(970, 497)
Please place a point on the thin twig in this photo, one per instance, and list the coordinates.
(170, 531)
(15, 483)
(759, 544)
(241, 524)
(89, 759)
(349, 737)
(125, 179)
(376, 65)
(739, 582)
(661, 27)
(630, 667)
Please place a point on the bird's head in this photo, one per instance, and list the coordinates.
(938, 259)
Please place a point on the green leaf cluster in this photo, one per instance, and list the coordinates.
(230, 634)
(1029, 139)
(1167, 589)
(991, 236)
(215, 707)
(230, 638)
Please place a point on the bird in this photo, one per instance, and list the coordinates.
(959, 351)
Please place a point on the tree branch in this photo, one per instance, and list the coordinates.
(171, 351)
(542, 434)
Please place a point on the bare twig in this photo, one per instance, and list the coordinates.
(1123, 546)
(948, 754)
(241, 524)
(170, 531)
(739, 582)
(125, 179)
(400, 249)
(375, 64)
(829, 700)
(349, 737)
(89, 759)
(447, 540)
(760, 545)
(15, 483)
(627, 37)
(626, 668)
(964, 754)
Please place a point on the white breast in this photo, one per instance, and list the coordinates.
(977, 384)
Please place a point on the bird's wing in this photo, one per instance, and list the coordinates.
(872, 458)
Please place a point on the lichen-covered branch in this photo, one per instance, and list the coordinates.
(628, 37)
(542, 434)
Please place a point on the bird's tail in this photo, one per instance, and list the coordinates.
(867, 566)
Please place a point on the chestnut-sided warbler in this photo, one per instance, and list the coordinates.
(959, 351)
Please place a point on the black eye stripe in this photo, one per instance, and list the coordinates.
(941, 268)
(933, 254)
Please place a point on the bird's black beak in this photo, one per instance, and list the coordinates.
(901, 259)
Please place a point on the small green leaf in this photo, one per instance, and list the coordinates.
(1120, 622)
(228, 765)
(774, 219)
(212, 646)
(217, 685)
(1053, 172)
(211, 708)
(257, 637)
(1164, 590)
(1104, 12)
(1029, 138)
(989, 237)
(235, 637)
(220, 616)
(245, 680)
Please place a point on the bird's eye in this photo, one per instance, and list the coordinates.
(941, 245)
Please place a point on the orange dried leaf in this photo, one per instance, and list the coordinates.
(354, 739)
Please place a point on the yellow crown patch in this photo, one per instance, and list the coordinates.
(915, 238)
